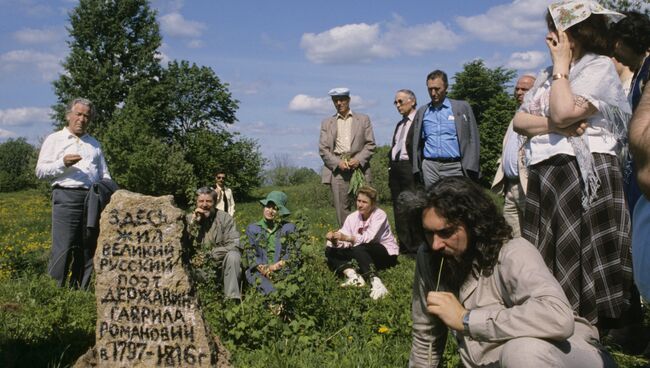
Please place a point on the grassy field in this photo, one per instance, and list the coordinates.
(322, 325)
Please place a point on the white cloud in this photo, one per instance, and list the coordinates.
(323, 105)
(348, 43)
(24, 116)
(175, 25)
(420, 38)
(311, 105)
(527, 60)
(520, 22)
(360, 43)
(37, 36)
(46, 63)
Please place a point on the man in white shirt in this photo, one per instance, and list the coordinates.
(225, 200)
(400, 166)
(73, 161)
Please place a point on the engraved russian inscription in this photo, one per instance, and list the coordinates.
(147, 313)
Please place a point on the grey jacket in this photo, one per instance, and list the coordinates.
(219, 231)
(520, 298)
(468, 138)
(362, 146)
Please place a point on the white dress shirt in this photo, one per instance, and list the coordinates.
(90, 169)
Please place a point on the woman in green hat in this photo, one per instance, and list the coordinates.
(271, 250)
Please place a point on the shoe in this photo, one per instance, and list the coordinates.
(378, 289)
(355, 280)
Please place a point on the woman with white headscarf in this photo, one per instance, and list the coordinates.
(575, 119)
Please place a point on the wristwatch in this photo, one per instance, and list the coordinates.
(466, 322)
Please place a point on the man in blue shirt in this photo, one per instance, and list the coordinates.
(445, 135)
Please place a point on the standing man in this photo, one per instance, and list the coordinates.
(445, 135)
(346, 143)
(400, 168)
(73, 161)
(495, 292)
(225, 201)
(511, 177)
(215, 232)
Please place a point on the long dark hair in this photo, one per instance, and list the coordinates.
(462, 202)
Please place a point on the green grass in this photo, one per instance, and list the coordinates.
(323, 325)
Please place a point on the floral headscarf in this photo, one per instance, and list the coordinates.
(567, 13)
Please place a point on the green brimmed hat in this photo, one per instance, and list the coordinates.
(279, 199)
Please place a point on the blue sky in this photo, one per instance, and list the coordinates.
(281, 57)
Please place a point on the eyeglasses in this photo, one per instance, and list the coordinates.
(399, 102)
(445, 233)
(220, 177)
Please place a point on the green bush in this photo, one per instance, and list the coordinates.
(42, 324)
(379, 167)
(17, 164)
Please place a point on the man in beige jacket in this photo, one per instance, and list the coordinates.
(346, 143)
(493, 292)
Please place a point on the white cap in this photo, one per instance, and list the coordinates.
(341, 91)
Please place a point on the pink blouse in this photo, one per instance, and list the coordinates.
(375, 229)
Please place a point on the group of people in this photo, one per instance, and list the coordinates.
(535, 283)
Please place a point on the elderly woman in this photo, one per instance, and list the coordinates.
(366, 238)
(575, 119)
(271, 249)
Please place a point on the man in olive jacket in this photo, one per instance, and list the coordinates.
(215, 232)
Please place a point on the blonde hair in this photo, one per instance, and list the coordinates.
(369, 192)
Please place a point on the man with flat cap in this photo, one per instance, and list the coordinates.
(346, 143)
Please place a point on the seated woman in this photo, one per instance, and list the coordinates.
(270, 249)
(366, 238)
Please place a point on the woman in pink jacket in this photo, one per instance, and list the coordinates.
(366, 238)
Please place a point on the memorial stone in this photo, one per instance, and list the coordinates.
(147, 311)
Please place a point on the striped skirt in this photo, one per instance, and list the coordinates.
(588, 251)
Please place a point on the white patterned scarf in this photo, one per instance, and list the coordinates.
(599, 84)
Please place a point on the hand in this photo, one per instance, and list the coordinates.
(265, 270)
(560, 47)
(199, 214)
(276, 266)
(71, 159)
(353, 163)
(447, 308)
(343, 165)
(330, 236)
(573, 130)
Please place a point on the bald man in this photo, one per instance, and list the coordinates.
(511, 177)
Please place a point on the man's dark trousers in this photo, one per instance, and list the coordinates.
(67, 231)
(400, 179)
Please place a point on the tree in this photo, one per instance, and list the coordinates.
(239, 157)
(17, 164)
(485, 90)
(197, 101)
(379, 169)
(477, 84)
(163, 129)
(113, 46)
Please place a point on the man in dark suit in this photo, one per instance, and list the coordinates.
(446, 139)
(400, 175)
(346, 143)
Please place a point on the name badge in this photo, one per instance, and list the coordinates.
(451, 117)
